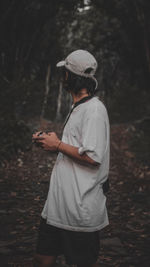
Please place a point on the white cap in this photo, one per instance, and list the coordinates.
(79, 62)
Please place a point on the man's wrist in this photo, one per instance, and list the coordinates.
(58, 145)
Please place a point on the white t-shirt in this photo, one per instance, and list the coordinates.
(75, 199)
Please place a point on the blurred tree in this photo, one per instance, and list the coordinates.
(29, 34)
(35, 34)
(28, 44)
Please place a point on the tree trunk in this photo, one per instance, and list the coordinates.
(59, 103)
(47, 88)
(143, 24)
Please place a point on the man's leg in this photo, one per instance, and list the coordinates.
(44, 261)
(48, 245)
(81, 248)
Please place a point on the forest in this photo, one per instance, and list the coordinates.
(35, 35)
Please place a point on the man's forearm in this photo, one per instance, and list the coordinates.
(51, 142)
(72, 152)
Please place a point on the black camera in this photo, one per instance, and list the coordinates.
(35, 141)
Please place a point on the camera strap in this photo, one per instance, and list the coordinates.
(83, 100)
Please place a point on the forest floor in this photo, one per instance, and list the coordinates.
(24, 182)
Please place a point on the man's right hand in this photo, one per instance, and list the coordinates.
(37, 137)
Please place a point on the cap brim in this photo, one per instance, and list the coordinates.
(61, 63)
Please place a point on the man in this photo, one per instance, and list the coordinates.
(75, 209)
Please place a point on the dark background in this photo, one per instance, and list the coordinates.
(36, 34)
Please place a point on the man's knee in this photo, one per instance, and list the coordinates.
(44, 261)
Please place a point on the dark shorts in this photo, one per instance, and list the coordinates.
(77, 247)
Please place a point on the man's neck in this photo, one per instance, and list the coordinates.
(83, 93)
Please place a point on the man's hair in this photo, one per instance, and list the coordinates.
(75, 83)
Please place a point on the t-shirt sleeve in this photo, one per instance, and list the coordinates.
(94, 137)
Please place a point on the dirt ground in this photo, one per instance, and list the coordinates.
(24, 185)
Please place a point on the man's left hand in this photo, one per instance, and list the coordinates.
(49, 141)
